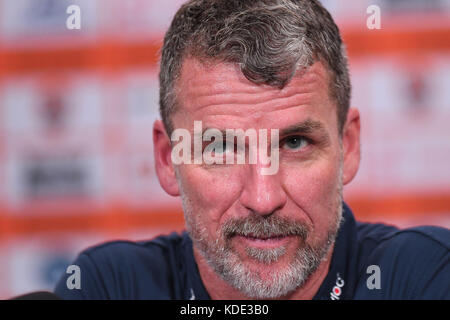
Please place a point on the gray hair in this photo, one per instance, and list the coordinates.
(270, 40)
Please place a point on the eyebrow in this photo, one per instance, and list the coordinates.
(307, 126)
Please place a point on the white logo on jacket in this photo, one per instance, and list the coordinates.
(337, 289)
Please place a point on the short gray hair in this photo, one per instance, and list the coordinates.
(270, 40)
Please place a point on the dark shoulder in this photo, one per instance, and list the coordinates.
(414, 262)
(159, 246)
(151, 269)
(377, 234)
(158, 258)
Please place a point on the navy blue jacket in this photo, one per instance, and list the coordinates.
(412, 264)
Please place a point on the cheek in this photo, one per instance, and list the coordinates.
(211, 191)
(313, 189)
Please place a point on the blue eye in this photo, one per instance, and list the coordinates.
(295, 143)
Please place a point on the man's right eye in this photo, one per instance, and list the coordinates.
(295, 143)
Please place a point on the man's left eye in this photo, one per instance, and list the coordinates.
(295, 143)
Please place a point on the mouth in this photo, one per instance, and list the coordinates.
(264, 242)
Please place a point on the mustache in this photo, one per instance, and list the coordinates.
(264, 227)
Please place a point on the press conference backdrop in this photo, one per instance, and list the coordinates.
(77, 106)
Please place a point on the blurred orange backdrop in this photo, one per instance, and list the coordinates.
(77, 107)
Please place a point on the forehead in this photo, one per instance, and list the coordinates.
(219, 90)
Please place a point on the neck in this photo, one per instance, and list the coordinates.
(212, 281)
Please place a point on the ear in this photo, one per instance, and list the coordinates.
(163, 163)
(351, 145)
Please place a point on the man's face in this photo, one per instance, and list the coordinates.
(263, 234)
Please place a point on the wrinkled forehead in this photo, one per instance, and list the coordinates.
(221, 87)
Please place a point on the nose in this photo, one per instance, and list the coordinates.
(262, 194)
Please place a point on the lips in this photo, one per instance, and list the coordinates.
(264, 242)
(253, 237)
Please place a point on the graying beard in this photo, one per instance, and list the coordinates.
(266, 256)
(306, 262)
(234, 272)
